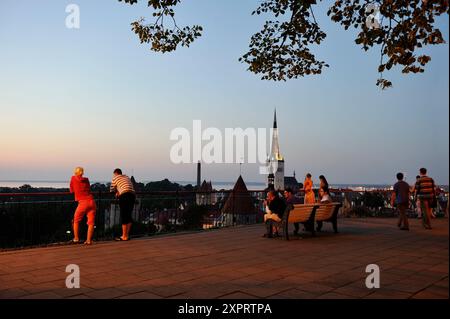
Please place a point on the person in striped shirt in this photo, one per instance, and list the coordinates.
(425, 192)
(124, 189)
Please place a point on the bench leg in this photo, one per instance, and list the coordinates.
(311, 227)
(319, 226)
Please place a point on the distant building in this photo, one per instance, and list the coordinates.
(199, 174)
(292, 183)
(275, 162)
(205, 195)
(239, 208)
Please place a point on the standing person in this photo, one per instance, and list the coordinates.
(425, 190)
(292, 200)
(308, 188)
(323, 185)
(80, 187)
(123, 187)
(400, 198)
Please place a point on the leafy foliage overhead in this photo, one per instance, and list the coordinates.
(282, 49)
(162, 38)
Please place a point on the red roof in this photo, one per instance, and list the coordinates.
(240, 201)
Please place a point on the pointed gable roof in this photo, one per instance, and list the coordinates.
(240, 185)
(206, 187)
(239, 201)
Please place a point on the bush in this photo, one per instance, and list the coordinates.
(193, 217)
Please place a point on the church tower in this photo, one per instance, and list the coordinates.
(275, 161)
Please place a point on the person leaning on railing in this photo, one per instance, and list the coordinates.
(81, 188)
(124, 189)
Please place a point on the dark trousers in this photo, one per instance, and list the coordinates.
(269, 228)
(126, 204)
(270, 223)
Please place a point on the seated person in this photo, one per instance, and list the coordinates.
(275, 207)
(292, 200)
(324, 194)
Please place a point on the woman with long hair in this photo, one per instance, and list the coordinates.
(323, 185)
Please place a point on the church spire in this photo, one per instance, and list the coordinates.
(275, 119)
(275, 154)
(275, 179)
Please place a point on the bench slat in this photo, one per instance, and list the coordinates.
(301, 213)
(310, 214)
(324, 212)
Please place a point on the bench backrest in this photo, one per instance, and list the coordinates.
(325, 211)
(301, 213)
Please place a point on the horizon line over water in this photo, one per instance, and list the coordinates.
(216, 185)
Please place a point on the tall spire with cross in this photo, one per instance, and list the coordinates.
(275, 154)
(275, 160)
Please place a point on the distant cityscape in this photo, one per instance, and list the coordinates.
(275, 178)
(165, 206)
(216, 185)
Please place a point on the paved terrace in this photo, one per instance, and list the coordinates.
(239, 263)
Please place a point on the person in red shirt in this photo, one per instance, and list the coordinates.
(81, 188)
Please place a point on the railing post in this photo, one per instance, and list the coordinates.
(97, 215)
(177, 209)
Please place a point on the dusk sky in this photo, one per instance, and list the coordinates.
(95, 97)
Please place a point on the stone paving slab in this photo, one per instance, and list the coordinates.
(238, 263)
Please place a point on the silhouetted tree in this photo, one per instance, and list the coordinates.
(281, 50)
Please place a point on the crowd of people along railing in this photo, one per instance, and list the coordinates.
(37, 219)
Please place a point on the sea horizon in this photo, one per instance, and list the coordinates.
(252, 185)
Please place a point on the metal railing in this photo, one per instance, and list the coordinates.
(36, 219)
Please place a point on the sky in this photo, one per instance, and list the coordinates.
(95, 97)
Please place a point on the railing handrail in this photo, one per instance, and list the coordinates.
(181, 193)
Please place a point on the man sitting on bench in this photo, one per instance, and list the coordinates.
(275, 207)
(292, 200)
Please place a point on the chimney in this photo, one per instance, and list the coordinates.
(199, 174)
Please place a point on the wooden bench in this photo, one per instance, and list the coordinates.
(327, 213)
(301, 213)
(308, 215)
